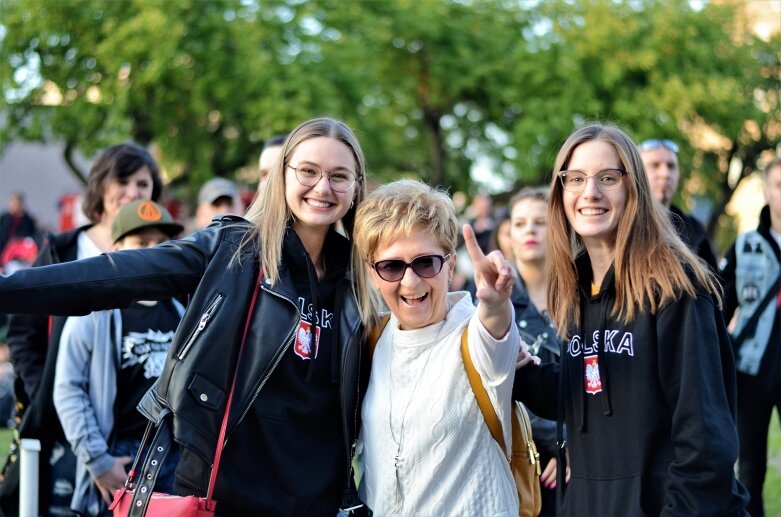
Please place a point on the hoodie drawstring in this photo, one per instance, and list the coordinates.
(312, 275)
(335, 348)
(607, 408)
(581, 413)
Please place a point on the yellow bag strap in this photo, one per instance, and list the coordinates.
(483, 402)
(375, 334)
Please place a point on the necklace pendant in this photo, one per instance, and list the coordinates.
(397, 460)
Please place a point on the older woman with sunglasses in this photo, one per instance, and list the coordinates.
(424, 447)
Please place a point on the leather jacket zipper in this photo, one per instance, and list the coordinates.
(287, 341)
(351, 452)
(205, 318)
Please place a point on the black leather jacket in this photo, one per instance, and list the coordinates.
(198, 373)
(535, 330)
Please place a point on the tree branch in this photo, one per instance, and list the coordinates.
(67, 154)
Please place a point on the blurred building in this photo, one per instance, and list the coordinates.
(40, 172)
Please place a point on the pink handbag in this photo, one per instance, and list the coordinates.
(138, 500)
(136, 497)
(165, 505)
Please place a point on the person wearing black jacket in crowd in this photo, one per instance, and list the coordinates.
(16, 223)
(660, 160)
(529, 240)
(121, 174)
(752, 284)
(287, 288)
(647, 382)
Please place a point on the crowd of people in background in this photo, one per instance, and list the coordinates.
(614, 289)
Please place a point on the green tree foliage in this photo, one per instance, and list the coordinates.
(431, 86)
(665, 69)
(183, 75)
(422, 81)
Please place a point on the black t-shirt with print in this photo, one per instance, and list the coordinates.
(147, 332)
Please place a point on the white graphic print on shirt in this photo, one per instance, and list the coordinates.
(616, 342)
(148, 348)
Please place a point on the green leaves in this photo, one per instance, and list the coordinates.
(430, 86)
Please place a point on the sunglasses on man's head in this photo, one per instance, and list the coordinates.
(656, 143)
(425, 266)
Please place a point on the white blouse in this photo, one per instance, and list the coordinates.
(424, 446)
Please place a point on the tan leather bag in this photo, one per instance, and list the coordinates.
(525, 463)
(525, 460)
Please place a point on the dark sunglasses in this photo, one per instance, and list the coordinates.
(425, 266)
(656, 143)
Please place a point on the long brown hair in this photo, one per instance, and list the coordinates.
(651, 263)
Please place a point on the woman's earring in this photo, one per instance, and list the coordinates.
(352, 203)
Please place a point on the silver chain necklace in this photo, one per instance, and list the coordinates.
(397, 458)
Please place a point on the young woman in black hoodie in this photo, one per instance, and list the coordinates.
(281, 286)
(647, 381)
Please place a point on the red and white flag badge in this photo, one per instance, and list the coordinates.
(302, 348)
(591, 374)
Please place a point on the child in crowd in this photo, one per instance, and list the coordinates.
(107, 361)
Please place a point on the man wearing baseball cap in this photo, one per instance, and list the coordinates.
(107, 361)
(660, 160)
(218, 196)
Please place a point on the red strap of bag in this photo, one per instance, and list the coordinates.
(224, 427)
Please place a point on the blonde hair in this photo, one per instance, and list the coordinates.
(270, 214)
(651, 264)
(398, 209)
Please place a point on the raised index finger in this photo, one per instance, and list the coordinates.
(475, 253)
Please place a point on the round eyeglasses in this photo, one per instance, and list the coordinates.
(606, 179)
(425, 266)
(308, 175)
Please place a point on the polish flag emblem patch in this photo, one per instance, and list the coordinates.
(591, 374)
(302, 348)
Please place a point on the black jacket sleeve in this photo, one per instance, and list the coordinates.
(537, 387)
(697, 375)
(28, 341)
(111, 280)
(28, 336)
(544, 434)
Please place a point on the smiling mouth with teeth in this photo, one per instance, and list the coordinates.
(415, 299)
(593, 211)
(319, 204)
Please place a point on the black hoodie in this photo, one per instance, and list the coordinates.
(649, 409)
(296, 464)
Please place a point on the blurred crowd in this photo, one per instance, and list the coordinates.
(40, 354)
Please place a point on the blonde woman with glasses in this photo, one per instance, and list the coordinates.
(646, 384)
(282, 289)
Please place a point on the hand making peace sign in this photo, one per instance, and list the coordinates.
(494, 279)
